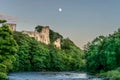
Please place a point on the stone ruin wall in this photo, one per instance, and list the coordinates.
(12, 26)
(57, 43)
(42, 36)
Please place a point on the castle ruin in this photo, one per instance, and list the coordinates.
(42, 36)
(12, 26)
(57, 43)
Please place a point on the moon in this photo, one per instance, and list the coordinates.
(60, 9)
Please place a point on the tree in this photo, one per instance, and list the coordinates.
(38, 28)
(57, 60)
(54, 36)
(8, 49)
(23, 59)
(103, 53)
(32, 55)
(75, 55)
(2, 21)
(118, 29)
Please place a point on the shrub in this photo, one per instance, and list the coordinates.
(118, 69)
(3, 76)
(2, 68)
(113, 75)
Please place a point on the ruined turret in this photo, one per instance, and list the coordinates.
(44, 35)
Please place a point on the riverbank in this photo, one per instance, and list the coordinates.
(112, 75)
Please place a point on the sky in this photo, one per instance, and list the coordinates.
(79, 20)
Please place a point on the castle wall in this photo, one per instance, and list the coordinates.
(42, 36)
(57, 43)
(12, 26)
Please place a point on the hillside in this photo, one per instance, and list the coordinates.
(25, 53)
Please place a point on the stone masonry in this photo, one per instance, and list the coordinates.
(12, 26)
(42, 36)
(57, 43)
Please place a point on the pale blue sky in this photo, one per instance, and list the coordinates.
(80, 20)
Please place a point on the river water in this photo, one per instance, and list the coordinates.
(50, 76)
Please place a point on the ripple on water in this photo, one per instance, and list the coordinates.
(49, 76)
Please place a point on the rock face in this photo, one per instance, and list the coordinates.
(42, 36)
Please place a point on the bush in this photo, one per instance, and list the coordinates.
(118, 69)
(3, 76)
(113, 75)
(3, 68)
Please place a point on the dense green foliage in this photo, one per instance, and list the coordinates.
(19, 52)
(36, 56)
(8, 49)
(75, 56)
(2, 21)
(111, 75)
(31, 54)
(103, 53)
(38, 28)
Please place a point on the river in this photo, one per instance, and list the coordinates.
(50, 76)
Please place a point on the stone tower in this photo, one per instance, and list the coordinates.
(44, 35)
(12, 26)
